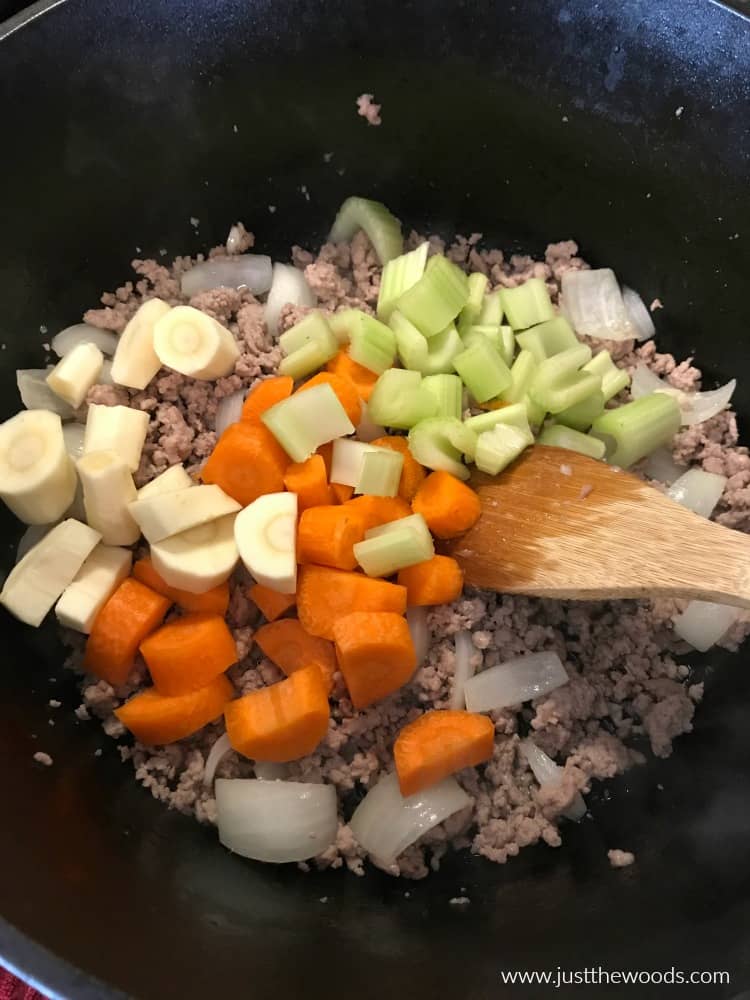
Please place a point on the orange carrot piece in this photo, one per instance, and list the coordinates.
(247, 462)
(363, 378)
(287, 645)
(324, 595)
(412, 475)
(272, 604)
(375, 511)
(341, 492)
(326, 536)
(265, 395)
(345, 389)
(188, 653)
(158, 718)
(439, 580)
(282, 722)
(215, 600)
(132, 612)
(309, 481)
(440, 743)
(493, 404)
(375, 653)
(449, 506)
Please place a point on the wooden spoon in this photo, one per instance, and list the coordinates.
(559, 524)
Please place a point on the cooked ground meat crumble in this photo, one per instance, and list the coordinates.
(622, 657)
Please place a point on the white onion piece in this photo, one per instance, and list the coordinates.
(704, 623)
(105, 375)
(697, 490)
(644, 382)
(276, 821)
(515, 681)
(547, 772)
(37, 395)
(73, 435)
(367, 430)
(234, 240)
(229, 411)
(268, 770)
(33, 534)
(287, 288)
(83, 333)
(463, 670)
(639, 315)
(661, 466)
(417, 621)
(695, 407)
(385, 823)
(215, 755)
(246, 270)
(593, 303)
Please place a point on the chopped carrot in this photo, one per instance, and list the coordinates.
(324, 595)
(326, 536)
(493, 404)
(287, 645)
(215, 600)
(271, 603)
(438, 580)
(412, 475)
(265, 395)
(159, 718)
(342, 492)
(440, 743)
(379, 510)
(282, 722)
(449, 506)
(345, 389)
(188, 653)
(132, 612)
(247, 462)
(363, 378)
(309, 481)
(375, 653)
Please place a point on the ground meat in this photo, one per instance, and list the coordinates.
(367, 108)
(620, 859)
(43, 758)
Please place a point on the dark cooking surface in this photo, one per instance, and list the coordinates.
(118, 128)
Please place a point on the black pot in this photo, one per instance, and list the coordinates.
(624, 125)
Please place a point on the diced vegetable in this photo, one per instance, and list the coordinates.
(695, 407)
(375, 654)
(438, 744)
(343, 322)
(287, 645)
(614, 379)
(631, 431)
(703, 623)
(582, 415)
(398, 276)
(288, 287)
(638, 314)
(327, 536)
(272, 605)
(93, 585)
(325, 596)
(698, 490)
(431, 446)
(170, 513)
(188, 653)
(372, 344)
(367, 429)
(378, 510)
(266, 394)
(399, 399)
(108, 491)
(381, 474)
(412, 473)
(346, 392)
(660, 465)
(498, 447)
(484, 372)
(73, 375)
(362, 377)
(469, 316)
(347, 459)
(36, 532)
(155, 718)
(522, 374)
(36, 394)
(173, 479)
(247, 462)
(492, 309)
(448, 392)
(214, 601)
(382, 228)
(83, 333)
(193, 343)
(215, 756)
(514, 414)
(307, 420)
(199, 559)
(265, 533)
(37, 477)
(74, 435)
(466, 657)
(229, 411)
(527, 304)
(566, 437)
(393, 546)
(507, 344)
(593, 303)
(246, 270)
(438, 580)
(437, 298)
(136, 362)
(120, 429)
(309, 482)
(558, 383)
(547, 772)
(449, 506)
(308, 358)
(416, 619)
(312, 328)
(430, 357)
(515, 681)
(547, 339)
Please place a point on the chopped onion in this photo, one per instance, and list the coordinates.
(547, 772)
(463, 670)
(515, 681)
(697, 490)
(662, 467)
(694, 406)
(73, 434)
(268, 770)
(385, 823)
(234, 240)
(105, 375)
(220, 748)
(33, 534)
(367, 430)
(229, 411)
(246, 270)
(417, 620)
(83, 333)
(644, 382)
(593, 303)
(37, 395)
(287, 288)
(639, 315)
(704, 623)
(276, 821)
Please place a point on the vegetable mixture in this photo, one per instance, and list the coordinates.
(237, 478)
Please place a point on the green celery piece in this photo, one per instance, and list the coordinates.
(399, 400)
(383, 229)
(343, 322)
(448, 390)
(380, 475)
(410, 343)
(557, 382)
(470, 313)
(372, 344)
(527, 304)
(614, 379)
(491, 333)
(441, 350)
(498, 447)
(437, 298)
(394, 546)
(566, 437)
(306, 420)
(429, 444)
(507, 344)
(484, 372)
(312, 328)
(521, 373)
(632, 431)
(514, 414)
(548, 338)
(492, 309)
(581, 416)
(306, 359)
(399, 275)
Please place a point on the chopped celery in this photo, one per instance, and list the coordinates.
(372, 343)
(548, 338)
(470, 313)
(437, 298)
(383, 229)
(565, 437)
(394, 546)
(498, 447)
(398, 399)
(306, 420)
(399, 275)
(347, 460)
(312, 328)
(527, 304)
(507, 344)
(522, 374)
(448, 390)
(558, 384)
(582, 415)
(492, 309)
(381, 473)
(441, 350)
(614, 379)
(484, 372)
(431, 357)
(343, 322)
(471, 334)
(308, 358)
(632, 431)
(429, 444)
(514, 414)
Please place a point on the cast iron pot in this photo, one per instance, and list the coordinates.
(623, 125)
